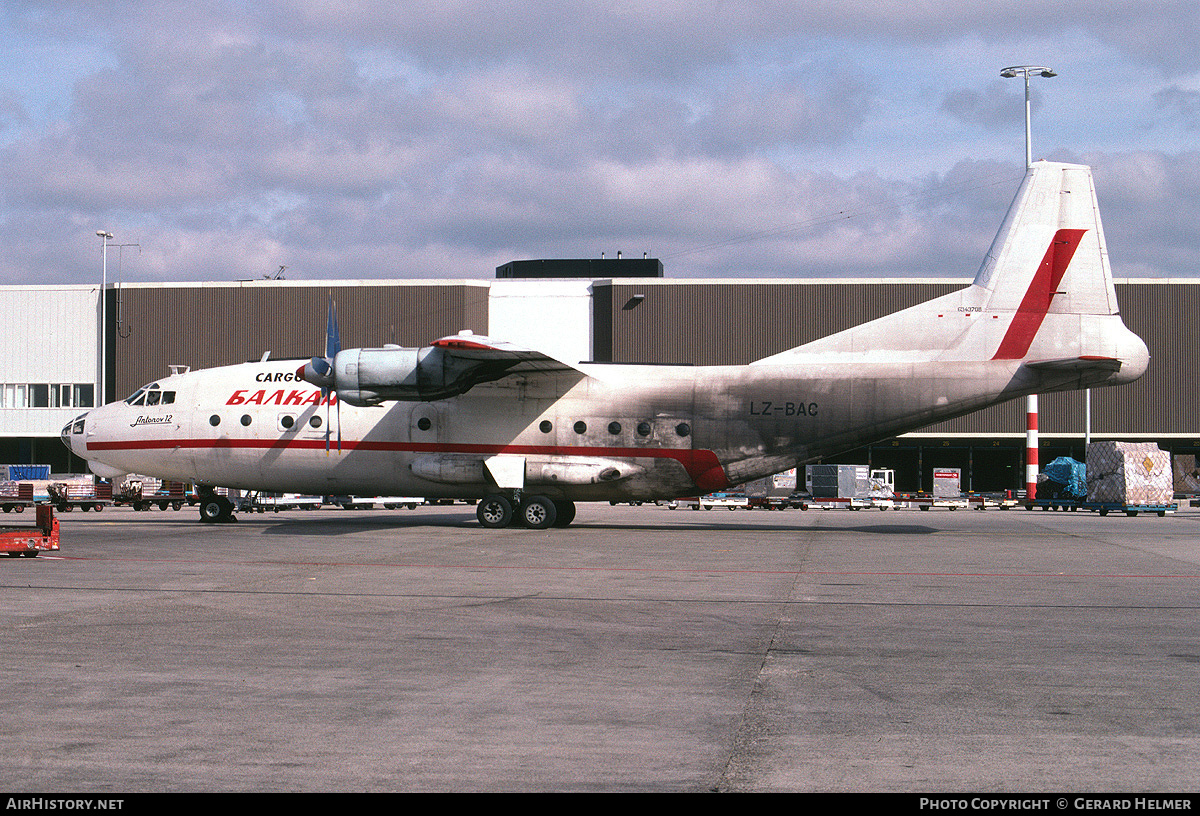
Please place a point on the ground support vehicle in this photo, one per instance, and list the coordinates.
(16, 496)
(731, 501)
(775, 503)
(170, 494)
(397, 502)
(264, 501)
(370, 502)
(28, 541)
(129, 493)
(1103, 508)
(996, 501)
(852, 503)
(926, 502)
(66, 496)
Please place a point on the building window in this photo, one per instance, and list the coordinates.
(47, 395)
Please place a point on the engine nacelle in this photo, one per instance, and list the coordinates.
(372, 376)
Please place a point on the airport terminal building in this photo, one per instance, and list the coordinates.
(606, 310)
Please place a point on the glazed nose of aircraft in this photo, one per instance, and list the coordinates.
(72, 435)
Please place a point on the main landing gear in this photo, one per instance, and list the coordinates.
(215, 509)
(535, 512)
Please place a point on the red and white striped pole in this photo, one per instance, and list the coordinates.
(1031, 447)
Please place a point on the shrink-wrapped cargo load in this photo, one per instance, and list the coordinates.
(1065, 478)
(1129, 473)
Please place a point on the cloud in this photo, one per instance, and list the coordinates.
(993, 108)
(435, 139)
(1180, 105)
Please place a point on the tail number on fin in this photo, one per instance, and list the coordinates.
(1042, 289)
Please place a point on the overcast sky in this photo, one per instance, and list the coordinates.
(442, 138)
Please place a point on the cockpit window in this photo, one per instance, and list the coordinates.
(151, 395)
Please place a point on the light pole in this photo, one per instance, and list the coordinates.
(1031, 402)
(1026, 71)
(104, 237)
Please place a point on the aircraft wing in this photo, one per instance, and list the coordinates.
(476, 348)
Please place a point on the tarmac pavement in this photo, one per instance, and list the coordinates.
(641, 649)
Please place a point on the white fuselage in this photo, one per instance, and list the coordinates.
(653, 431)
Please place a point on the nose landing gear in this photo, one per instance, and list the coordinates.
(215, 509)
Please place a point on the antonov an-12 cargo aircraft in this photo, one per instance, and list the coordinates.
(529, 436)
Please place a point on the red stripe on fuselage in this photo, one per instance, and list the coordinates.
(702, 466)
(1038, 297)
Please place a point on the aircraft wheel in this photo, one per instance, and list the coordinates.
(538, 513)
(564, 512)
(210, 510)
(494, 511)
(216, 508)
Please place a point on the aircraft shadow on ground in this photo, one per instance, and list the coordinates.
(343, 526)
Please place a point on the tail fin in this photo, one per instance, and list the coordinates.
(1049, 256)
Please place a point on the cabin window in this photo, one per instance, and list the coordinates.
(287, 421)
(246, 420)
(614, 428)
(315, 422)
(214, 420)
(545, 427)
(581, 427)
(424, 424)
(643, 429)
(683, 429)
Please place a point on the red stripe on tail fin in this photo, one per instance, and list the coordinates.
(1042, 289)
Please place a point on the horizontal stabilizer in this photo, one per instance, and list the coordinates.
(1077, 364)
